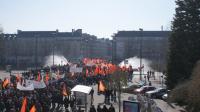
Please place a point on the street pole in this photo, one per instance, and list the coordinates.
(119, 96)
(53, 47)
(36, 51)
(141, 30)
(53, 54)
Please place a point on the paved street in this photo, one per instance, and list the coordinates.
(164, 106)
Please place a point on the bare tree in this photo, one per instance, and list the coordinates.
(119, 79)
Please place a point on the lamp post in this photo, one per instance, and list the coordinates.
(141, 30)
(53, 54)
(36, 51)
(54, 40)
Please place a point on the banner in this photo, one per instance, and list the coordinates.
(76, 69)
(36, 84)
(90, 64)
(27, 88)
(56, 76)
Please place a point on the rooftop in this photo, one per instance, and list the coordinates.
(74, 33)
(142, 33)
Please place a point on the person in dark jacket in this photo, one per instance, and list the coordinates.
(105, 109)
(92, 109)
(66, 102)
(99, 109)
(111, 108)
(92, 97)
(79, 109)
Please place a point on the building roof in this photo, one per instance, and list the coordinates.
(9, 36)
(142, 33)
(28, 34)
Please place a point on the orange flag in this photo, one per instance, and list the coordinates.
(87, 73)
(5, 83)
(96, 72)
(102, 87)
(64, 91)
(47, 77)
(33, 109)
(24, 104)
(38, 78)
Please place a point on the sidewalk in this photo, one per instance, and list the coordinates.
(163, 105)
(168, 108)
(99, 99)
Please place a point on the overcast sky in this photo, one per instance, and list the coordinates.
(97, 17)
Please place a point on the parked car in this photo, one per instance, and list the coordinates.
(144, 89)
(165, 96)
(157, 93)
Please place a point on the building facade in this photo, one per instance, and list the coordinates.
(30, 48)
(150, 45)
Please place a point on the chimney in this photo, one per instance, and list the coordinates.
(73, 32)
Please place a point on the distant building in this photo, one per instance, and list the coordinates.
(151, 45)
(29, 48)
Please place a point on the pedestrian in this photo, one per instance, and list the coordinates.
(149, 83)
(105, 109)
(111, 108)
(79, 109)
(148, 77)
(92, 109)
(2, 106)
(66, 102)
(92, 97)
(99, 109)
(72, 101)
(114, 95)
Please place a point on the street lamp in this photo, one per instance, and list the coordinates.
(53, 54)
(141, 30)
(54, 46)
(36, 51)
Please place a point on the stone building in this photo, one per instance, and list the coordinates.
(29, 48)
(150, 45)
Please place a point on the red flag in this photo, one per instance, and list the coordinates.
(102, 87)
(38, 78)
(24, 104)
(5, 83)
(33, 109)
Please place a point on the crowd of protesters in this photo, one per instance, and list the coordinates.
(51, 98)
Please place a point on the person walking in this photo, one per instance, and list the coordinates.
(105, 109)
(92, 109)
(99, 109)
(92, 96)
(111, 108)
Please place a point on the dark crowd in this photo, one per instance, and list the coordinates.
(51, 98)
